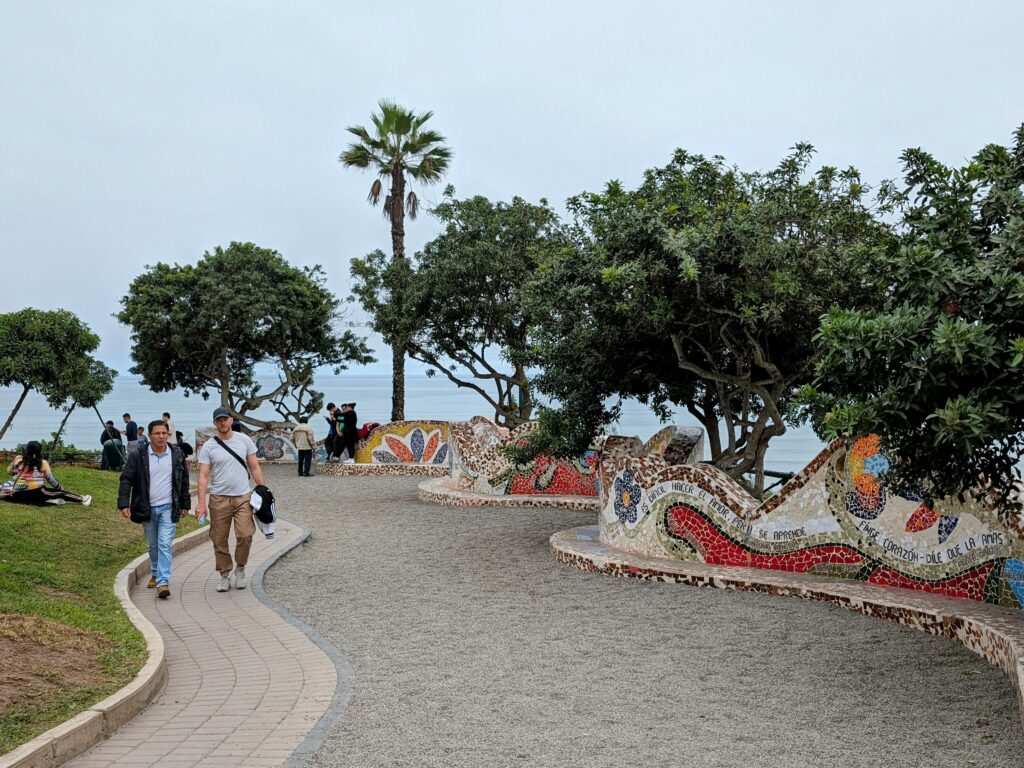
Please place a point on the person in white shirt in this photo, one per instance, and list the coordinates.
(225, 464)
(171, 429)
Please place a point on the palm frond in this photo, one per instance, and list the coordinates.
(432, 165)
(357, 156)
(387, 207)
(361, 133)
(375, 189)
(412, 204)
(421, 119)
(424, 139)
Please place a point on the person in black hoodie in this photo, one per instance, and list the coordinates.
(349, 431)
(153, 491)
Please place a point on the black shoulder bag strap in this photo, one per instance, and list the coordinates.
(241, 461)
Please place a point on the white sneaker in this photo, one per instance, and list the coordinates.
(225, 583)
(240, 580)
(350, 461)
(86, 501)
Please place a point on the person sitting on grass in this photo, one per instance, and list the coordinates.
(33, 481)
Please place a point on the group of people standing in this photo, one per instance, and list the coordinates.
(342, 436)
(342, 432)
(115, 450)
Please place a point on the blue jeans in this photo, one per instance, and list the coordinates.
(160, 536)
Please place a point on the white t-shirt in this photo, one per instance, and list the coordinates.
(227, 475)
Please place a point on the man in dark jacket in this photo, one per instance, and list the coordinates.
(153, 491)
(113, 448)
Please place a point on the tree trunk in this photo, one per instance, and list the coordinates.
(397, 217)
(397, 213)
(60, 429)
(398, 382)
(17, 407)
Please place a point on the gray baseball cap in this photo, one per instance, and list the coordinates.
(221, 412)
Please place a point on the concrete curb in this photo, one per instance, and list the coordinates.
(994, 633)
(82, 732)
(343, 689)
(436, 491)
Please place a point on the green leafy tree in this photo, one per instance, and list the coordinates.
(463, 313)
(701, 289)
(86, 390)
(398, 149)
(46, 351)
(936, 367)
(206, 327)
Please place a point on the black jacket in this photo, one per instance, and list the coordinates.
(349, 422)
(134, 490)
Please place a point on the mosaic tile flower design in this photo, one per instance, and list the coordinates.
(414, 448)
(270, 447)
(627, 497)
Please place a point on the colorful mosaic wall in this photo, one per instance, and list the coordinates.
(405, 442)
(401, 442)
(271, 444)
(838, 517)
(480, 465)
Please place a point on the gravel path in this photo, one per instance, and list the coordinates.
(471, 647)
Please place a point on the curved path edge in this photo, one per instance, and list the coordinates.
(79, 734)
(343, 689)
(86, 729)
(994, 633)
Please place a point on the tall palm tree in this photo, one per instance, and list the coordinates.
(398, 146)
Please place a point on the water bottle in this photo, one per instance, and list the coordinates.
(203, 519)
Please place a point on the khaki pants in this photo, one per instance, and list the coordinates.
(224, 510)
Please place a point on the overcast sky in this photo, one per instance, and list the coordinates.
(137, 132)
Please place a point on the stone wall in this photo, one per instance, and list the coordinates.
(837, 517)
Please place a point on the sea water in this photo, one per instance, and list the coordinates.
(425, 398)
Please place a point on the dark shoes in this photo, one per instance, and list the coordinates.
(152, 583)
(163, 591)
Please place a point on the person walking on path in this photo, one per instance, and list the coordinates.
(225, 464)
(153, 492)
(33, 482)
(130, 432)
(304, 440)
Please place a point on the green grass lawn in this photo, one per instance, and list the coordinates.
(58, 563)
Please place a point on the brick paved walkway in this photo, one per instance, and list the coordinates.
(244, 686)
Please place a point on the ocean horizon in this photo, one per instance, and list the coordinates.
(425, 398)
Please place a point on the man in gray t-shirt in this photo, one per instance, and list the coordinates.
(222, 472)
